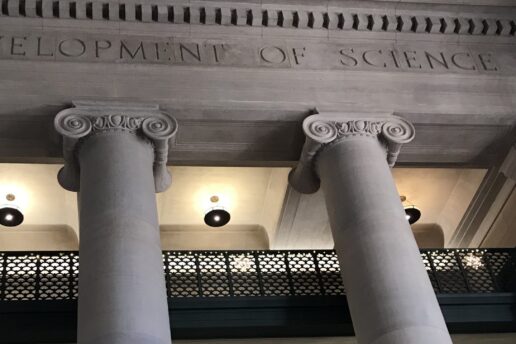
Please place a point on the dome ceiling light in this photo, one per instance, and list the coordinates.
(412, 213)
(10, 214)
(216, 216)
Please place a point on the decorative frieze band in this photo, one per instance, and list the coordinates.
(256, 14)
(328, 129)
(91, 118)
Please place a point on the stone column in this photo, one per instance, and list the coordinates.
(389, 294)
(115, 158)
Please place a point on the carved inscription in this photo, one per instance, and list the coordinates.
(414, 59)
(130, 49)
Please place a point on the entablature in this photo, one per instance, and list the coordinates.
(433, 21)
(249, 79)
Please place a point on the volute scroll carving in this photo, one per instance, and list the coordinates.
(72, 124)
(93, 118)
(160, 130)
(395, 133)
(326, 129)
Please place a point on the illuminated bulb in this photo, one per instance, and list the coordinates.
(10, 216)
(216, 216)
(412, 213)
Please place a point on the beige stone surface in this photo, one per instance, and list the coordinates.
(247, 110)
(255, 198)
(428, 235)
(459, 200)
(230, 237)
(442, 195)
(503, 230)
(39, 196)
(39, 238)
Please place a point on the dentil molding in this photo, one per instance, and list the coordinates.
(327, 129)
(386, 16)
(96, 118)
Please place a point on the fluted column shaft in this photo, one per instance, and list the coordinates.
(389, 294)
(122, 292)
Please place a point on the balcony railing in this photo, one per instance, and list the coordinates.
(42, 276)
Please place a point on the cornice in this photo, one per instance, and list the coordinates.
(88, 119)
(360, 16)
(324, 130)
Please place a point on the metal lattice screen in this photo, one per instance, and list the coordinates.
(54, 275)
(39, 276)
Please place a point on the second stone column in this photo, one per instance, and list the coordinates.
(387, 287)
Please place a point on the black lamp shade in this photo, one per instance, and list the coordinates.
(217, 217)
(413, 214)
(10, 216)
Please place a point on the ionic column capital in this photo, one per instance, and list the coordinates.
(326, 129)
(87, 119)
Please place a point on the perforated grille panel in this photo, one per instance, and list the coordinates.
(20, 277)
(74, 280)
(2, 277)
(54, 275)
(276, 280)
(244, 274)
(305, 277)
(503, 266)
(428, 266)
(39, 276)
(55, 272)
(214, 274)
(330, 273)
(471, 270)
(448, 272)
(477, 270)
(182, 275)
